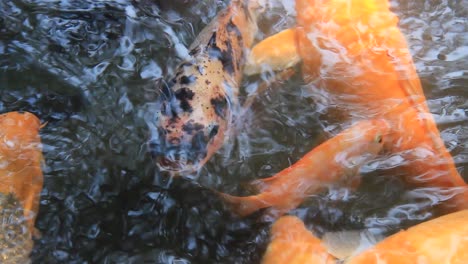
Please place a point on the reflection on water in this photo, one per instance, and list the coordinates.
(89, 68)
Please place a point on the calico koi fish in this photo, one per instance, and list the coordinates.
(198, 105)
(353, 53)
(21, 183)
(336, 160)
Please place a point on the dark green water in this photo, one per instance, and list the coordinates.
(89, 69)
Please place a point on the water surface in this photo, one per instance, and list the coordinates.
(89, 68)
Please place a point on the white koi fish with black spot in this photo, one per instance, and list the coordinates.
(197, 106)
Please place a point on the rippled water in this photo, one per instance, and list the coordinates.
(88, 68)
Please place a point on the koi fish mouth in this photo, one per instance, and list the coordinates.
(166, 164)
(169, 165)
(179, 166)
(176, 158)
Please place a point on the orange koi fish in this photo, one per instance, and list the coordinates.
(292, 243)
(441, 240)
(353, 52)
(198, 105)
(20, 162)
(336, 160)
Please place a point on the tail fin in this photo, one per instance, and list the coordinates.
(243, 206)
(262, 185)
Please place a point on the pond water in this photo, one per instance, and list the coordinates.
(88, 69)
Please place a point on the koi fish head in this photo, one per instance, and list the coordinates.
(190, 125)
(19, 134)
(22, 126)
(362, 142)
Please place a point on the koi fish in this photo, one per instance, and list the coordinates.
(198, 105)
(21, 183)
(292, 243)
(441, 240)
(335, 160)
(353, 52)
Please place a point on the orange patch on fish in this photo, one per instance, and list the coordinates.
(371, 69)
(292, 243)
(354, 55)
(336, 160)
(441, 240)
(20, 160)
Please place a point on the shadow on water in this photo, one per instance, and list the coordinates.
(88, 68)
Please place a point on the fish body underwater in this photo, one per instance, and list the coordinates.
(292, 243)
(334, 161)
(198, 105)
(357, 63)
(440, 240)
(21, 181)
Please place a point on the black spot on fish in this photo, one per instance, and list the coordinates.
(207, 82)
(199, 142)
(225, 57)
(190, 127)
(184, 95)
(186, 64)
(179, 72)
(212, 42)
(187, 79)
(233, 29)
(174, 117)
(220, 104)
(214, 131)
(194, 51)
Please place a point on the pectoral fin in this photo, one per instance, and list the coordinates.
(292, 243)
(344, 244)
(277, 52)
